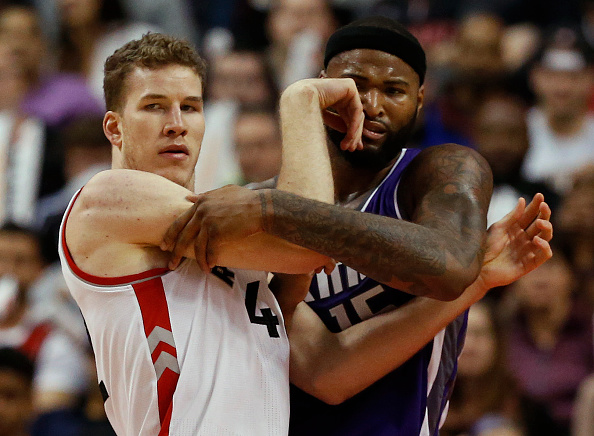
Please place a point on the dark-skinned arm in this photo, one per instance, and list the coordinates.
(436, 253)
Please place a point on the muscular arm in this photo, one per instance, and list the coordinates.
(336, 366)
(118, 224)
(437, 253)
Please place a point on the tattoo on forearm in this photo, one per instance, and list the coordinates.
(362, 241)
(451, 230)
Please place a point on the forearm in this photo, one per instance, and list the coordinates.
(306, 167)
(334, 367)
(401, 254)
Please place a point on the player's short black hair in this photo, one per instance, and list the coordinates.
(378, 33)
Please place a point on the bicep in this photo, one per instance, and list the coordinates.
(127, 207)
(451, 189)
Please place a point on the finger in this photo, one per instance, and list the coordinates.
(333, 120)
(329, 267)
(546, 230)
(355, 126)
(505, 223)
(544, 213)
(200, 246)
(543, 253)
(184, 240)
(531, 212)
(175, 228)
(193, 197)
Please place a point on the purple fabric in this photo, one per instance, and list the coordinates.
(60, 98)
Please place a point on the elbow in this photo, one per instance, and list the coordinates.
(307, 261)
(328, 392)
(452, 286)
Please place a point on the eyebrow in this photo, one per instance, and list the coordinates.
(395, 81)
(163, 97)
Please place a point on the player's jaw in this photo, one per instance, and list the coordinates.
(381, 144)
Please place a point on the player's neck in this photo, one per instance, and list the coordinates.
(352, 185)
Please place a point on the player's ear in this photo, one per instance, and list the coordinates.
(112, 128)
(420, 97)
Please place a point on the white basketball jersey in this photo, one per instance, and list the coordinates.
(186, 353)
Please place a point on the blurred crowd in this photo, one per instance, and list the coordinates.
(511, 78)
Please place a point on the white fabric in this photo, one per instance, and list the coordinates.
(60, 365)
(552, 158)
(233, 376)
(22, 175)
(217, 164)
(503, 200)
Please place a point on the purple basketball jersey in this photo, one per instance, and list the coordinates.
(409, 401)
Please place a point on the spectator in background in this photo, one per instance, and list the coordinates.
(16, 393)
(90, 30)
(583, 416)
(237, 78)
(60, 375)
(549, 345)
(500, 134)
(30, 157)
(485, 394)
(86, 152)
(576, 226)
(52, 97)
(297, 31)
(560, 126)
(473, 65)
(257, 140)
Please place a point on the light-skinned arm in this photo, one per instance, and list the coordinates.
(131, 210)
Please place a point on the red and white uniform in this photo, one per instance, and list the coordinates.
(186, 353)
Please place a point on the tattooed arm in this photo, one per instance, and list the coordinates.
(335, 366)
(437, 252)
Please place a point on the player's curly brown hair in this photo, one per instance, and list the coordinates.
(152, 51)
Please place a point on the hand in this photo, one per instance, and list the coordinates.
(518, 243)
(216, 217)
(341, 105)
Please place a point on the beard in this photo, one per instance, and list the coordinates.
(375, 157)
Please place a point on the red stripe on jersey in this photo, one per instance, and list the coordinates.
(163, 347)
(155, 313)
(96, 280)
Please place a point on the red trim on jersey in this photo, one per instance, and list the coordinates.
(155, 312)
(96, 280)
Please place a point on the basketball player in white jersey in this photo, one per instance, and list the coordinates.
(187, 352)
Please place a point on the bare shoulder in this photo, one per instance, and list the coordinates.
(118, 221)
(448, 158)
(447, 172)
(449, 163)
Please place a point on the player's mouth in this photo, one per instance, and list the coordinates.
(373, 130)
(175, 151)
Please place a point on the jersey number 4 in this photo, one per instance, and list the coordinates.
(267, 318)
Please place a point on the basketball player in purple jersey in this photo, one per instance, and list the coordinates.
(422, 235)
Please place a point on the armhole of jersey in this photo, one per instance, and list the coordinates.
(398, 213)
(90, 278)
